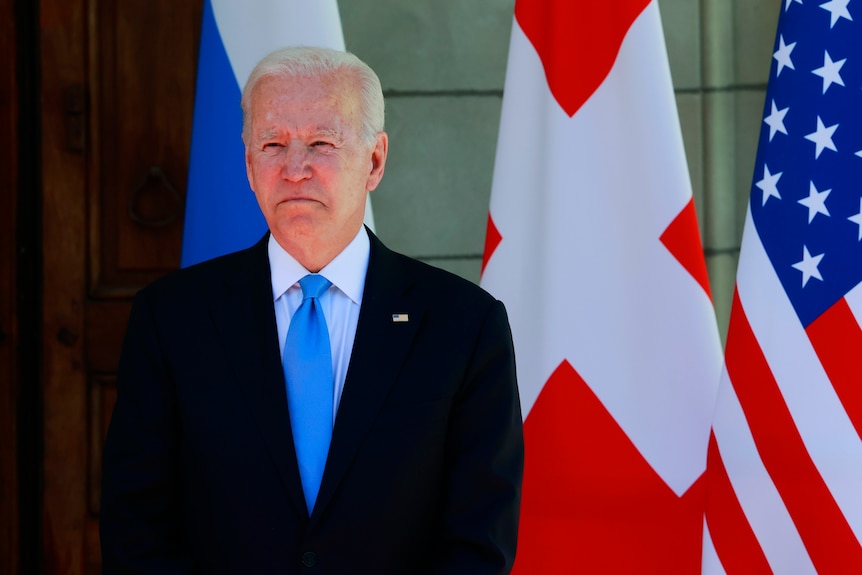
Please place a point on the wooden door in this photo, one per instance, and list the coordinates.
(117, 99)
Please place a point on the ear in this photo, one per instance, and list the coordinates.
(378, 161)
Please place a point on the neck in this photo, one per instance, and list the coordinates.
(312, 252)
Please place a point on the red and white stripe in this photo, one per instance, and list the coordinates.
(593, 247)
(785, 463)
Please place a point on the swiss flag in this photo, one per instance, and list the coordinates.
(593, 246)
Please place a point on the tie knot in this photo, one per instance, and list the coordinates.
(313, 286)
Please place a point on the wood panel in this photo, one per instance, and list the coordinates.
(102, 396)
(142, 94)
(8, 320)
(64, 163)
(118, 92)
(142, 90)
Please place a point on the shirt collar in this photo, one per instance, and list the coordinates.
(346, 271)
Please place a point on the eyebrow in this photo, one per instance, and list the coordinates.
(331, 134)
(267, 135)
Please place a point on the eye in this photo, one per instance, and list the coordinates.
(320, 143)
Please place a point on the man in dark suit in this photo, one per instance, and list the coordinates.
(208, 465)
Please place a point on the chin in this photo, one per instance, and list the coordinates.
(296, 228)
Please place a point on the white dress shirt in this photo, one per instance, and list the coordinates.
(340, 302)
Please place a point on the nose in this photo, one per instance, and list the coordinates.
(296, 162)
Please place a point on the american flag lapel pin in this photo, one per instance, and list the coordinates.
(400, 317)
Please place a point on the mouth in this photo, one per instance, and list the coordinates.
(299, 201)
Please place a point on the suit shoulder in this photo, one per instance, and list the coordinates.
(190, 282)
(445, 284)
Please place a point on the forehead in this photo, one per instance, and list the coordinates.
(331, 95)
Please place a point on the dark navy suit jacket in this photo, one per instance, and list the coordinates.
(425, 465)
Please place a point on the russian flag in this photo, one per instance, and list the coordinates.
(222, 214)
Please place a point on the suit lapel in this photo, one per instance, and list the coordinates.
(379, 349)
(244, 317)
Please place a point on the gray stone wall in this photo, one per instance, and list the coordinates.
(443, 64)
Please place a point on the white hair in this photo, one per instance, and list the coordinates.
(312, 62)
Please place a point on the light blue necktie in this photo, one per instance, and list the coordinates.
(307, 364)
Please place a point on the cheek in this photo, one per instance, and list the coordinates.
(261, 185)
(262, 173)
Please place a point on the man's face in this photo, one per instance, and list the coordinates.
(308, 166)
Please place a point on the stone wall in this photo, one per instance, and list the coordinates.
(443, 64)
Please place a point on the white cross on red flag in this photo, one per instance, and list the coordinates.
(593, 246)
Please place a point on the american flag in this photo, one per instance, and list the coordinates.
(785, 458)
